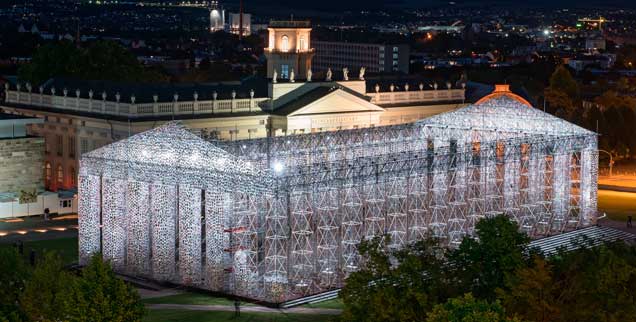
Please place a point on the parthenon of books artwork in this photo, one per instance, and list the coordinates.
(280, 218)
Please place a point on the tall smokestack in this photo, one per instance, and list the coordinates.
(241, 20)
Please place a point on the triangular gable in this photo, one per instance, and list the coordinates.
(170, 154)
(169, 145)
(504, 113)
(337, 101)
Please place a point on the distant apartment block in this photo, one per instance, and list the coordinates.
(374, 57)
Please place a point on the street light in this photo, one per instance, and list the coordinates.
(611, 161)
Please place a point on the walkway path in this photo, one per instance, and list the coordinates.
(36, 228)
(620, 225)
(254, 309)
(149, 294)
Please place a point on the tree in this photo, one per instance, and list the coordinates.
(108, 60)
(591, 283)
(480, 265)
(559, 102)
(102, 297)
(48, 295)
(562, 94)
(468, 309)
(396, 285)
(597, 282)
(60, 59)
(102, 60)
(13, 275)
(532, 293)
(561, 80)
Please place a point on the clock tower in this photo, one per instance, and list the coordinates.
(289, 49)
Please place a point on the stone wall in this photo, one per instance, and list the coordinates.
(21, 164)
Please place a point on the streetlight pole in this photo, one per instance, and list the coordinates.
(611, 162)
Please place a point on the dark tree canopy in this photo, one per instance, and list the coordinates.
(14, 273)
(481, 264)
(101, 60)
(492, 278)
(48, 292)
(468, 309)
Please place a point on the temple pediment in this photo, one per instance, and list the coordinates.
(328, 100)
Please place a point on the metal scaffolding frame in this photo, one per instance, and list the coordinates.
(280, 218)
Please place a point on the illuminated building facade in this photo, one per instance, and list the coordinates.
(280, 218)
(217, 16)
(289, 49)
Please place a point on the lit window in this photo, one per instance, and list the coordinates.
(60, 175)
(302, 43)
(47, 172)
(284, 71)
(72, 177)
(284, 46)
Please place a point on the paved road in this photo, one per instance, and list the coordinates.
(36, 228)
(255, 309)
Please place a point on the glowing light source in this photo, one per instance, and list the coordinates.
(278, 167)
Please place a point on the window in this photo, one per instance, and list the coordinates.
(395, 49)
(284, 44)
(71, 147)
(83, 145)
(60, 175)
(60, 145)
(284, 71)
(302, 43)
(66, 203)
(47, 173)
(73, 175)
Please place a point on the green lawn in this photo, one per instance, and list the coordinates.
(205, 316)
(329, 304)
(192, 299)
(66, 247)
(616, 204)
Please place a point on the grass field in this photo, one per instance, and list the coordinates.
(205, 316)
(66, 247)
(616, 204)
(192, 299)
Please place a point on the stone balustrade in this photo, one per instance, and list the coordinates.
(417, 96)
(132, 109)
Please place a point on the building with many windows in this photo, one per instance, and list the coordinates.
(376, 58)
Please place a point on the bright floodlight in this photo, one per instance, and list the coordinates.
(278, 167)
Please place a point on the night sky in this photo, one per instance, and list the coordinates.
(372, 4)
